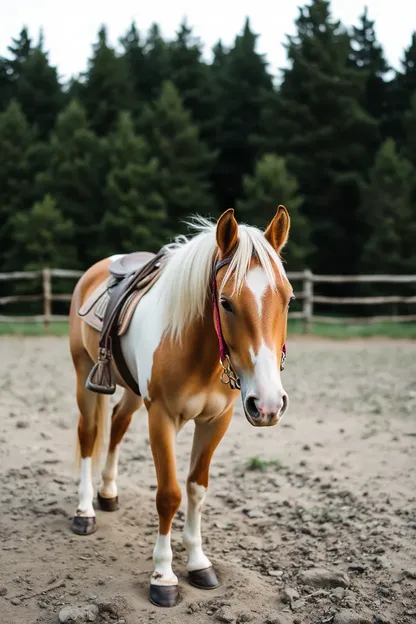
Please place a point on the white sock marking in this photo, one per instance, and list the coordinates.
(192, 529)
(108, 488)
(162, 558)
(86, 490)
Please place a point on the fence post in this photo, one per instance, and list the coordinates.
(47, 296)
(307, 300)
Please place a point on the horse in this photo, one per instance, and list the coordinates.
(212, 328)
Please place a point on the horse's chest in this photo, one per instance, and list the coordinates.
(202, 404)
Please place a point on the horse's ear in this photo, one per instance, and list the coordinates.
(227, 232)
(278, 230)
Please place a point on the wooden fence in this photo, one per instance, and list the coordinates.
(306, 295)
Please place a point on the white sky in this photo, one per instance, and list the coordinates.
(70, 28)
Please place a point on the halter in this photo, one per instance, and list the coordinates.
(228, 375)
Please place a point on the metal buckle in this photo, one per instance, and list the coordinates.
(228, 375)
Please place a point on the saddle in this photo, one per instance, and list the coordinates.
(109, 309)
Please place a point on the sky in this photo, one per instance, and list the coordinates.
(70, 28)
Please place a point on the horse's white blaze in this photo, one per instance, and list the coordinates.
(144, 335)
(192, 529)
(108, 487)
(86, 490)
(257, 281)
(162, 558)
(266, 382)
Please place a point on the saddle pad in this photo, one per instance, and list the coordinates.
(93, 310)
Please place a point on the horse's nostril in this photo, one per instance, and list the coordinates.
(251, 407)
(284, 406)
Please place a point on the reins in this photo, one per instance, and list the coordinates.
(228, 375)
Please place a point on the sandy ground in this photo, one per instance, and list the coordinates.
(325, 533)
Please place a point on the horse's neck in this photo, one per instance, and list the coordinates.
(198, 347)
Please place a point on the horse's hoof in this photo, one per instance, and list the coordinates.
(107, 504)
(204, 579)
(164, 595)
(83, 526)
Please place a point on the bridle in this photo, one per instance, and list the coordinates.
(228, 375)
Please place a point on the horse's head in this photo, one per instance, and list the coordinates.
(253, 295)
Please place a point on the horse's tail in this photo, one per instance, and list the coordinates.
(101, 421)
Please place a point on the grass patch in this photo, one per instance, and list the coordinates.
(34, 329)
(340, 331)
(261, 465)
(345, 330)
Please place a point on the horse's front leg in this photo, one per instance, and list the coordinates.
(207, 436)
(164, 589)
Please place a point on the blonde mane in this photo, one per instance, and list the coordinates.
(187, 275)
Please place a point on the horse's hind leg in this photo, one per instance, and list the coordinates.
(91, 431)
(120, 421)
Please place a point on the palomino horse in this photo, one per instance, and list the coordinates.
(214, 321)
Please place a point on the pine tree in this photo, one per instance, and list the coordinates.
(158, 62)
(20, 50)
(76, 178)
(135, 216)
(107, 89)
(328, 140)
(137, 67)
(401, 91)
(242, 79)
(28, 77)
(194, 81)
(410, 132)
(42, 237)
(15, 174)
(185, 161)
(271, 185)
(389, 214)
(39, 92)
(367, 57)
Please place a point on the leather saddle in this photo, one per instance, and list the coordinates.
(109, 310)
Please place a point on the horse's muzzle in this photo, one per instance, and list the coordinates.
(264, 416)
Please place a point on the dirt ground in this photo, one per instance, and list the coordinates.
(325, 532)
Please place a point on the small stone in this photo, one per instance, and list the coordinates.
(297, 604)
(22, 424)
(277, 573)
(86, 613)
(346, 616)
(15, 601)
(411, 573)
(192, 607)
(338, 593)
(3, 591)
(288, 595)
(383, 618)
(321, 577)
(357, 567)
(225, 614)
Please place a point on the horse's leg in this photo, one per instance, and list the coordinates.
(207, 436)
(91, 429)
(120, 421)
(164, 590)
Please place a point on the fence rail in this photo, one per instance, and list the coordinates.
(306, 295)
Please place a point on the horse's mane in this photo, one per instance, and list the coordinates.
(187, 274)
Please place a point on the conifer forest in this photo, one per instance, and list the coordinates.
(117, 158)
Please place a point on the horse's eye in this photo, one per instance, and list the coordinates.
(226, 305)
(290, 300)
